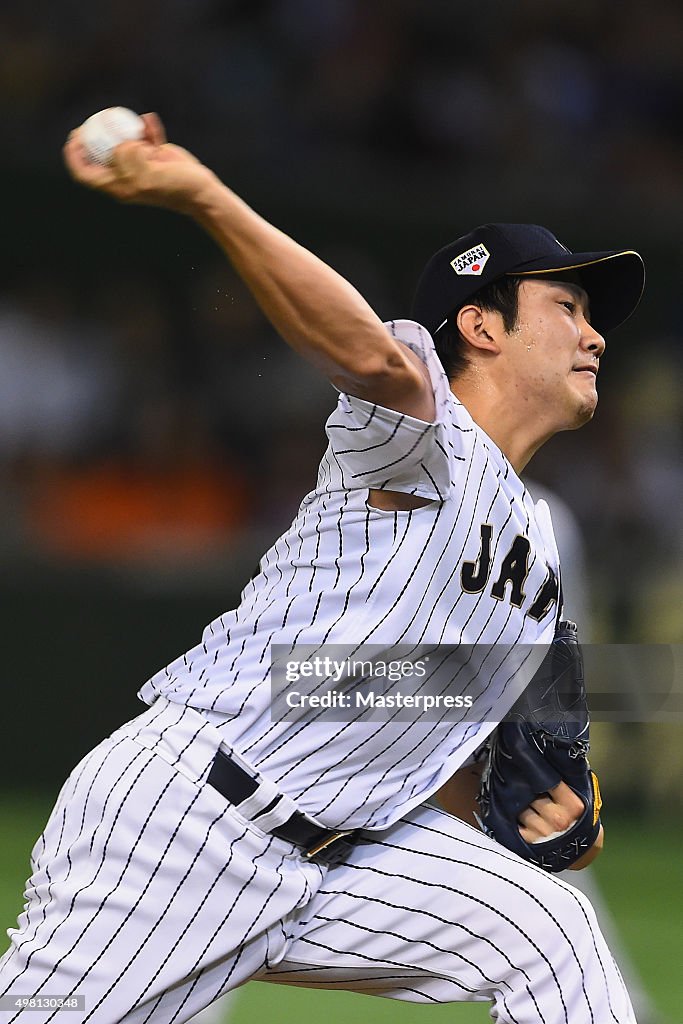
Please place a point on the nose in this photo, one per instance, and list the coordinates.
(592, 341)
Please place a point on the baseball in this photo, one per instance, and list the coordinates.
(102, 132)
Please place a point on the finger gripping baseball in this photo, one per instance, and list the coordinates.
(544, 741)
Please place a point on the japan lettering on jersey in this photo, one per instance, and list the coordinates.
(477, 565)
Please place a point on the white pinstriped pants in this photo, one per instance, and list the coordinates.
(150, 896)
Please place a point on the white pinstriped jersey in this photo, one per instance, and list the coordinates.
(345, 573)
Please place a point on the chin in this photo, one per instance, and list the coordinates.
(584, 402)
(579, 409)
(584, 413)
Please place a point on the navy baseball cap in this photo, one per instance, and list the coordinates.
(614, 280)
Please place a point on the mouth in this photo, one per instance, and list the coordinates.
(592, 369)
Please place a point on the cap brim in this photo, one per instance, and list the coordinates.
(614, 282)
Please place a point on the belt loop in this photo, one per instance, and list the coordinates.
(273, 812)
(278, 814)
(265, 794)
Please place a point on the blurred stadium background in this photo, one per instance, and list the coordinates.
(155, 434)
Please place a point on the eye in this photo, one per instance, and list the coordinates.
(568, 304)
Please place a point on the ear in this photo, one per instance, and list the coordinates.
(480, 328)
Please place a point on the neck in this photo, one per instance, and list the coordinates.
(518, 430)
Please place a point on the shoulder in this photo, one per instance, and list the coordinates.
(415, 337)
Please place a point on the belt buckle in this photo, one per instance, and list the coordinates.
(313, 852)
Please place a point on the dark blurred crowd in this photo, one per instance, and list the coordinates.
(588, 92)
(140, 420)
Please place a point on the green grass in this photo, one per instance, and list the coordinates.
(21, 821)
(282, 1005)
(642, 883)
(640, 876)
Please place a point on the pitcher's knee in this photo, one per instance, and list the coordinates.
(564, 966)
(565, 925)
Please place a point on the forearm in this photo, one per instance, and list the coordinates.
(312, 307)
(458, 796)
(591, 854)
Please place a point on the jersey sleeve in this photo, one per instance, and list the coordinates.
(388, 450)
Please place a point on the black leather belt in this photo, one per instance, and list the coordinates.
(325, 846)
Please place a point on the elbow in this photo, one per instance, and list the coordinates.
(379, 371)
(391, 379)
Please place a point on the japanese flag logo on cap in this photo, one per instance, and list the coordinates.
(471, 262)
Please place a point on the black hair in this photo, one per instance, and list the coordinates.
(500, 296)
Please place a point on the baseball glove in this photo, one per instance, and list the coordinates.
(543, 741)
